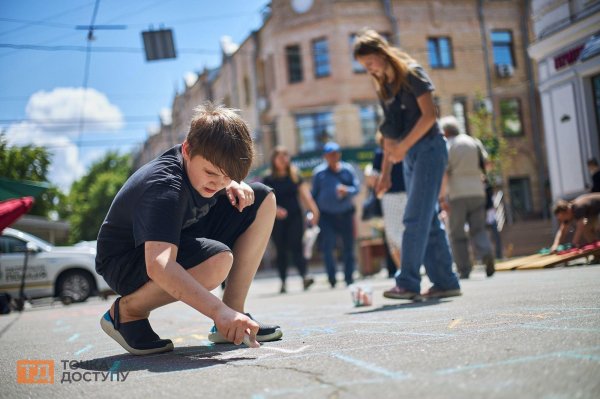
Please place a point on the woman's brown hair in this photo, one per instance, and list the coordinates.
(290, 171)
(369, 42)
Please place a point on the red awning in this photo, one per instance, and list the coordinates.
(12, 209)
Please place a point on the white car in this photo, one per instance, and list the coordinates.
(68, 273)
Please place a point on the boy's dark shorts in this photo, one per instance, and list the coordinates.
(213, 234)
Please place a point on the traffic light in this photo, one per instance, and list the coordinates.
(159, 44)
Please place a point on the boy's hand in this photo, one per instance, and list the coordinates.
(240, 195)
(233, 326)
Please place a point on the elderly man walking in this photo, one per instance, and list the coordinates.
(466, 194)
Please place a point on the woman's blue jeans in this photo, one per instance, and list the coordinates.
(425, 241)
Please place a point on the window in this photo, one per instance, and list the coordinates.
(314, 130)
(369, 121)
(321, 58)
(269, 73)
(459, 110)
(510, 117)
(596, 90)
(11, 245)
(502, 45)
(520, 197)
(294, 62)
(440, 52)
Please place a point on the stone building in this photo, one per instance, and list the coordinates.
(566, 49)
(296, 83)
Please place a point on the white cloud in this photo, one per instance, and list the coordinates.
(190, 78)
(69, 108)
(166, 116)
(228, 46)
(65, 166)
(53, 122)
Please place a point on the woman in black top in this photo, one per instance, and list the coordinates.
(289, 189)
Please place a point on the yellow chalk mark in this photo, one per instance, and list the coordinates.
(178, 340)
(199, 337)
(454, 323)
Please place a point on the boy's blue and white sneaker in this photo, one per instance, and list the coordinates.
(265, 333)
(136, 337)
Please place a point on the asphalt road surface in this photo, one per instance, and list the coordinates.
(522, 334)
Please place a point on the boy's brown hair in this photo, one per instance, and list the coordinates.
(222, 137)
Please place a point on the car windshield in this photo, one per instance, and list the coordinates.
(43, 245)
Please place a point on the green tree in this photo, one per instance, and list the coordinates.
(91, 196)
(499, 153)
(30, 163)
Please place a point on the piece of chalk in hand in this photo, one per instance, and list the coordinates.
(249, 343)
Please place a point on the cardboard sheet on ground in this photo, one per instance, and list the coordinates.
(514, 263)
(539, 261)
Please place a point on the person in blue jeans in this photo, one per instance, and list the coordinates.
(334, 185)
(412, 135)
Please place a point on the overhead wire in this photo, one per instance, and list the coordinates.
(86, 70)
(45, 21)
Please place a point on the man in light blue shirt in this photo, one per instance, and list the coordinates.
(334, 185)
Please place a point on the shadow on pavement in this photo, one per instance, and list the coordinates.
(187, 358)
(405, 305)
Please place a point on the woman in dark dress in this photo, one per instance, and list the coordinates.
(290, 191)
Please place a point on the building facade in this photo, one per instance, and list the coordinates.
(297, 85)
(566, 49)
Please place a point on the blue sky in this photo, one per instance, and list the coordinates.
(41, 90)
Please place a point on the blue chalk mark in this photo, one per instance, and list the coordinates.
(115, 366)
(579, 329)
(583, 357)
(316, 330)
(114, 369)
(73, 337)
(414, 333)
(84, 349)
(517, 360)
(371, 367)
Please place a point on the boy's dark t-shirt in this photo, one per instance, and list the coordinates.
(157, 203)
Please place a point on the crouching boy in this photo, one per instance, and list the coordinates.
(180, 226)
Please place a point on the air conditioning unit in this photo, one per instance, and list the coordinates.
(504, 70)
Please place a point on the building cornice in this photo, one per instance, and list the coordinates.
(559, 40)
